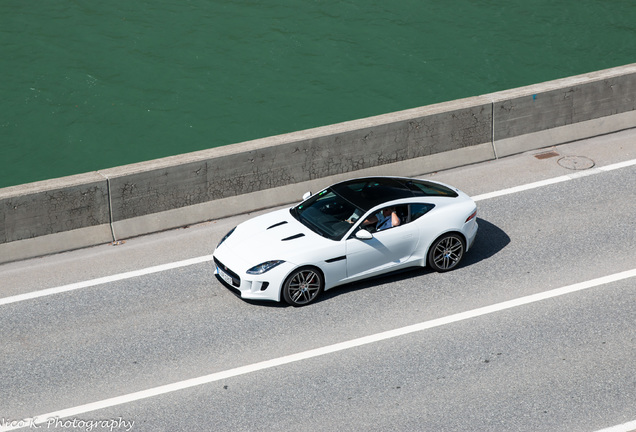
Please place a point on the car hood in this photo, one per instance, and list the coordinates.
(273, 236)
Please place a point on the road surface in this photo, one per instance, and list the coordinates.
(536, 331)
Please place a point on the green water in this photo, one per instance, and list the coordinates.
(88, 85)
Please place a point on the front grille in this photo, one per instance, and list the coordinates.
(236, 280)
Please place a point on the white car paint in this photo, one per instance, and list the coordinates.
(280, 236)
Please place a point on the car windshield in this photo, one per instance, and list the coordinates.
(328, 214)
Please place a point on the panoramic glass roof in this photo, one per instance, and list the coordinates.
(369, 192)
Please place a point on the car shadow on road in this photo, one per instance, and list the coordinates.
(490, 240)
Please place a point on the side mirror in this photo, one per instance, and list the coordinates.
(363, 234)
(306, 195)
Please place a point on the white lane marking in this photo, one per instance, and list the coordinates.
(169, 266)
(618, 165)
(554, 180)
(329, 349)
(521, 188)
(103, 280)
(625, 427)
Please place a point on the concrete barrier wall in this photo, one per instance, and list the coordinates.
(564, 110)
(116, 203)
(54, 215)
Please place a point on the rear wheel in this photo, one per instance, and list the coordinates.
(446, 252)
(303, 286)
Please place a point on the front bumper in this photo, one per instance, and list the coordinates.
(265, 286)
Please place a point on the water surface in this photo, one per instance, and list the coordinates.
(90, 85)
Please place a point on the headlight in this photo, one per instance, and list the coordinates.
(226, 236)
(263, 267)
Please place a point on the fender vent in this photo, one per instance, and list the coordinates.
(340, 258)
(294, 237)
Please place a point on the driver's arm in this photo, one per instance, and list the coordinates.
(395, 219)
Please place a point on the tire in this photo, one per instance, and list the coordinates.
(446, 252)
(303, 286)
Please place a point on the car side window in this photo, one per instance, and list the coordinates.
(386, 218)
(403, 213)
(418, 210)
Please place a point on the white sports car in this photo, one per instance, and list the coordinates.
(349, 231)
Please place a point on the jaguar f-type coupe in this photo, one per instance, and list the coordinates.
(349, 231)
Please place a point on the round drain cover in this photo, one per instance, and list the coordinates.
(576, 162)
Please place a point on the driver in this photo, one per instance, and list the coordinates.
(384, 219)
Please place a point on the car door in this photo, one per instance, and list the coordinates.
(386, 249)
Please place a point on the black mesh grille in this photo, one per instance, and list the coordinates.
(236, 280)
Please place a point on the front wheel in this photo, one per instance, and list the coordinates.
(446, 252)
(302, 286)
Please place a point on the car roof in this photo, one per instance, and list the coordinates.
(368, 192)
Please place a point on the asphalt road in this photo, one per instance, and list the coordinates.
(539, 360)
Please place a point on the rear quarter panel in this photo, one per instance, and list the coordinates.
(447, 216)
